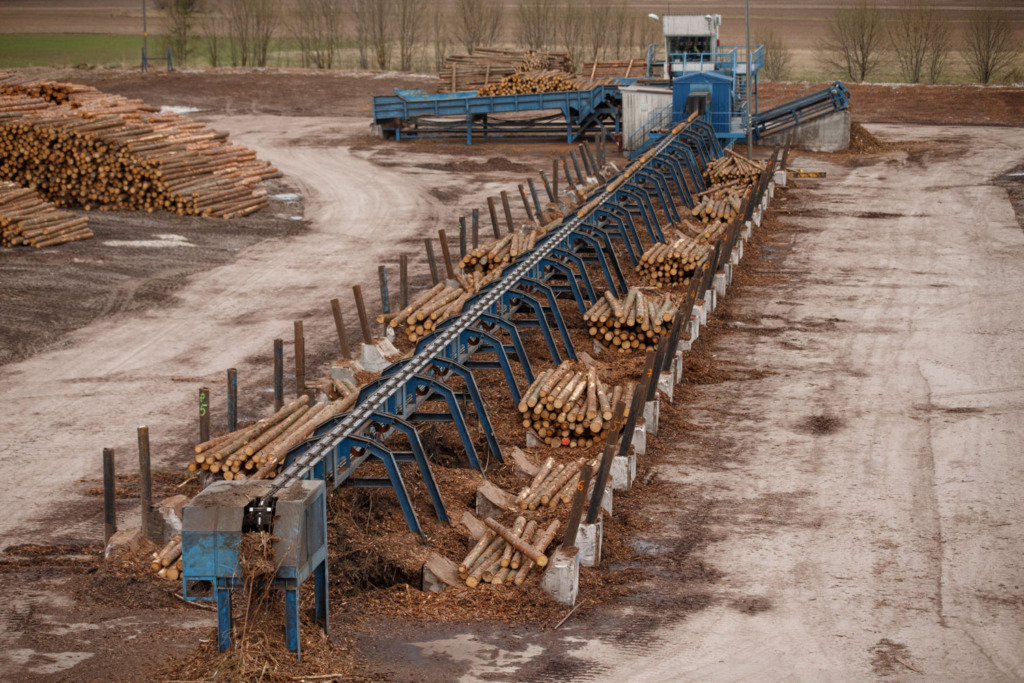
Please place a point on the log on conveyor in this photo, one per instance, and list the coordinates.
(26, 219)
(485, 66)
(440, 302)
(528, 82)
(501, 252)
(636, 321)
(78, 146)
(567, 406)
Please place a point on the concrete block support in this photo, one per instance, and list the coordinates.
(652, 409)
(677, 365)
(829, 133)
(719, 283)
(485, 507)
(748, 230)
(757, 217)
(561, 579)
(780, 178)
(623, 472)
(588, 540)
(667, 384)
(639, 441)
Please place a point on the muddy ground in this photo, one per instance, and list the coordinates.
(754, 541)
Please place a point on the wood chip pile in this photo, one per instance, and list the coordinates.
(25, 219)
(569, 406)
(636, 321)
(672, 263)
(437, 303)
(486, 66)
(80, 147)
(257, 451)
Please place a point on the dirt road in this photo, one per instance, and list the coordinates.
(860, 502)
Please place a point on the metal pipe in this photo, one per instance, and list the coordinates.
(204, 414)
(536, 200)
(300, 359)
(462, 238)
(278, 374)
(526, 202)
(403, 277)
(750, 132)
(109, 510)
(476, 228)
(339, 326)
(145, 481)
(446, 255)
(508, 210)
(364, 321)
(232, 399)
(494, 217)
(385, 298)
(434, 277)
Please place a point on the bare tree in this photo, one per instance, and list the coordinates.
(989, 47)
(920, 40)
(211, 27)
(374, 24)
(439, 34)
(316, 26)
(598, 27)
(181, 19)
(855, 39)
(777, 56)
(409, 27)
(621, 29)
(250, 28)
(535, 29)
(477, 22)
(360, 10)
(572, 24)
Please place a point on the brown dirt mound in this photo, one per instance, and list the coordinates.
(863, 142)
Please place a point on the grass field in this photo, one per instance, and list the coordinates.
(68, 49)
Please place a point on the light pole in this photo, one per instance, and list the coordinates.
(750, 132)
(145, 35)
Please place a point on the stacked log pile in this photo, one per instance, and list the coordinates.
(505, 556)
(80, 147)
(553, 484)
(166, 562)
(499, 253)
(732, 166)
(614, 69)
(25, 219)
(718, 204)
(673, 263)
(441, 301)
(486, 66)
(635, 321)
(569, 406)
(527, 82)
(257, 451)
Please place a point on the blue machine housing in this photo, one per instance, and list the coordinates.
(720, 114)
(211, 538)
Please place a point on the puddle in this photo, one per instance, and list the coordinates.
(286, 197)
(161, 242)
(179, 110)
(647, 547)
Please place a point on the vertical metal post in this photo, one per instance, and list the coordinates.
(446, 255)
(526, 202)
(576, 166)
(232, 399)
(750, 132)
(476, 228)
(554, 179)
(579, 499)
(605, 466)
(364, 322)
(494, 217)
(403, 277)
(145, 38)
(145, 481)
(536, 200)
(582, 149)
(204, 415)
(508, 210)
(462, 237)
(547, 186)
(300, 359)
(385, 299)
(278, 374)
(339, 326)
(434, 277)
(109, 511)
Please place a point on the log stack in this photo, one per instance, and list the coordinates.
(257, 451)
(553, 484)
(625, 68)
(441, 301)
(505, 556)
(569, 406)
(527, 82)
(485, 66)
(80, 147)
(166, 561)
(672, 263)
(635, 321)
(732, 166)
(25, 219)
(719, 205)
(499, 253)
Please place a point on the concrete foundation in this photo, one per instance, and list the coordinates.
(561, 579)
(639, 441)
(623, 472)
(123, 541)
(748, 230)
(780, 178)
(588, 540)
(375, 357)
(652, 409)
(532, 440)
(677, 366)
(667, 384)
(829, 133)
(718, 283)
